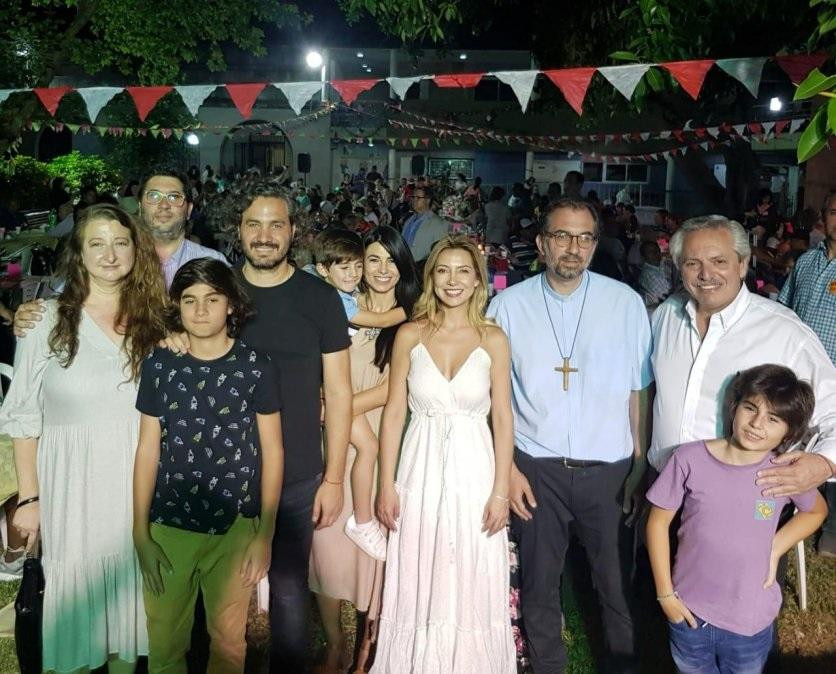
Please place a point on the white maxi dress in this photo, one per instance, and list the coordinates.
(446, 586)
(87, 426)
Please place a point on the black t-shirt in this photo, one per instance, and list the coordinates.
(210, 466)
(295, 323)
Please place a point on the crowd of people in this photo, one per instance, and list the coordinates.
(333, 401)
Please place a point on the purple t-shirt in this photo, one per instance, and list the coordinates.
(725, 538)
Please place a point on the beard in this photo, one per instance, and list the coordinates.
(169, 232)
(568, 267)
(265, 263)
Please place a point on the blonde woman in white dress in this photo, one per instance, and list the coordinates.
(445, 593)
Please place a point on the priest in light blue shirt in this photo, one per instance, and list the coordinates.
(580, 358)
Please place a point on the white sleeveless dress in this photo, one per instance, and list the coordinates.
(445, 592)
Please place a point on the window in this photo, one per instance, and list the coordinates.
(637, 173)
(593, 172)
(450, 167)
(616, 173)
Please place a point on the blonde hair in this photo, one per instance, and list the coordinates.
(427, 307)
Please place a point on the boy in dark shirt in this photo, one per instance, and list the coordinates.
(208, 472)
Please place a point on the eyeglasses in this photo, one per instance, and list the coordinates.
(564, 239)
(415, 197)
(154, 197)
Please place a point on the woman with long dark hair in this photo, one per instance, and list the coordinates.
(71, 412)
(339, 569)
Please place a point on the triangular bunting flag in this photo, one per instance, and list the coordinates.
(5, 93)
(739, 128)
(95, 98)
(298, 93)
(193, 96)
(746, 71)
(664, 135)
(704, 145)
(349, 90)
(713, 130)
(689, 74)
(795, 125)
(644, 135)
(51, 96)
(573, 83)
(625, 78)
(414, 142)
(145, 98)
(767, 127)
(780, 125)
(521, 81)
(244, 95)
(400, 85)
(464, 80)
(798, 66)
(754, 127)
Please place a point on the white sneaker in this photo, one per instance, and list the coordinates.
(368, 537)
(12, 570)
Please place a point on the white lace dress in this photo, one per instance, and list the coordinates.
(87, 427)
(445, 592)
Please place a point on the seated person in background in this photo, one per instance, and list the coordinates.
(654, 283)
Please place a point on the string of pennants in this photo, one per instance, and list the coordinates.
(572, 82)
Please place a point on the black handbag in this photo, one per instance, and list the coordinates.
(28, 617)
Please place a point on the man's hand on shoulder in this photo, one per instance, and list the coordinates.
(27, 315)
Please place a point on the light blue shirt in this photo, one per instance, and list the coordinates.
(186, 252)
(591, 420)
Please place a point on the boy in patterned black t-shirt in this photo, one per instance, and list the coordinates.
(208, 472)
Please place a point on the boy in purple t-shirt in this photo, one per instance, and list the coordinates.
(723, 598)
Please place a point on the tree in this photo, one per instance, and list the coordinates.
(148, 41)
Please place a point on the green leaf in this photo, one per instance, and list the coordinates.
(828, 25)
(655, 80)
(624, 56)
(814, 83)
(831, 116)
(814, 137)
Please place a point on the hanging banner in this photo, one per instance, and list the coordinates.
(194, 95)
(349, 90)
(50, 97)
(95, 98)
(798, 66)
(573, 84)
(244, 95)
(521, 81)
(298, 93)
(145, 98)
(746, 71)
(689, 74)
(625, 78)
(400, 85)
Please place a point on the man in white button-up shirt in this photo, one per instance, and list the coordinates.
(702, 341)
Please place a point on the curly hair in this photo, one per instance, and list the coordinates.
(245, 194)
(142, 298)
(222, 280)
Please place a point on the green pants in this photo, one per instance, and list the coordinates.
(212, 564)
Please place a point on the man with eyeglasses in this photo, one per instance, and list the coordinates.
(164, 207)
(423, 228)
(580, 353)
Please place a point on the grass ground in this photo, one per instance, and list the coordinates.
(807, 639)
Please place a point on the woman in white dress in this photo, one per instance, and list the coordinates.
(445, 592)
(71, 412)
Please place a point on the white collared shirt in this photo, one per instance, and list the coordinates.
(692, 374)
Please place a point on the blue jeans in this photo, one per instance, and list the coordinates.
(707, 649)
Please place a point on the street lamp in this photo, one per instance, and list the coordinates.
(776, 104)
(314, 60)
(192, 139)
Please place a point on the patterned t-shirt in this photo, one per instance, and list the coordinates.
(209, 470)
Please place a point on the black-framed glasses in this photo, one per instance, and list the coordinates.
(154, 197)
(564, 239)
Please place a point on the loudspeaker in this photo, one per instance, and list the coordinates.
(303, 162)
(418, 165)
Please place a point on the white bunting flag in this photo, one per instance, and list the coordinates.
(767, 128)
(664, 135)
(298, 93)
(739, 129)
(746, 71)
(625, 78)
(521, 81)
(5, 93)
(400, 85)
(795, 125)
(644, 135)
(713, 131)
(95, 98)
(704, 146)
(193, 96)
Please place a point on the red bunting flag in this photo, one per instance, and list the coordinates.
(463, 80)
(689, 74)
(573, 83)
(754, 127)
(51, 97)
(244, 95)
(798, 66)
(349, 90)
(780, 126)
(145, 98)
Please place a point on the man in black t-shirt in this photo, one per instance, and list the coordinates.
(301, 325)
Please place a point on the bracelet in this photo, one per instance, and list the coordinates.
(327, 481)
(501, 498)
(668, 596)
(27, 501)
